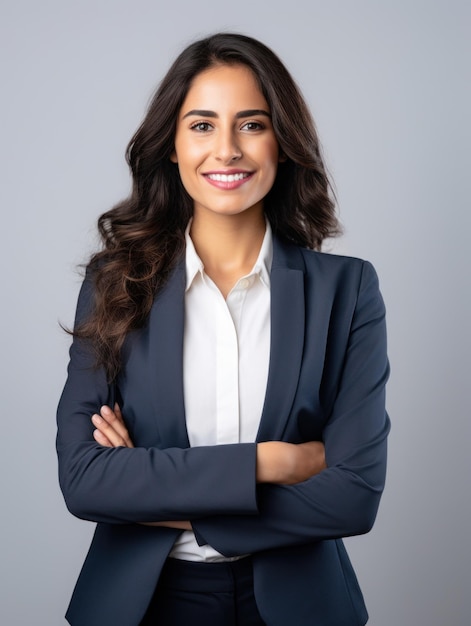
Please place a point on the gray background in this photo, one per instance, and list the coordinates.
(388, 83)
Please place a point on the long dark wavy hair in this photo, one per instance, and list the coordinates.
(143, 237)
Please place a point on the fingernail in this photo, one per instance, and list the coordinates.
(96, 419)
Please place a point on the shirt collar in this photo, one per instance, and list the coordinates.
(193, 264)
(262, 266)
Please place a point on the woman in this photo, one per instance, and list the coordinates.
(223, 418)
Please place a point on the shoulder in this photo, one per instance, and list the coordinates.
(331, 262)
(344, 281)
(324, 272)
(289, 255)
(347, 288)
(326, 266)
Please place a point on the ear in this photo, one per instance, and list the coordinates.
(173, 157)
(282, 158)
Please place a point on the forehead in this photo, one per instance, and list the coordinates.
(224, 86)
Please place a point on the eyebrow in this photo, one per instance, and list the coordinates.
(240, 114)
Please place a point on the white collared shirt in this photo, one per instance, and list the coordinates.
(225, 362)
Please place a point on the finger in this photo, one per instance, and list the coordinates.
(101, 439)
(116, 421)
(117, 412)
(124, 431)
(113, 418)
(108, 431)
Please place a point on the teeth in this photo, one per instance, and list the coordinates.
(227, 178)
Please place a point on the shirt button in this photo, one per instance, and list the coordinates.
(244, 283)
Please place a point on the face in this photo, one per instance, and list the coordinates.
(225, 146)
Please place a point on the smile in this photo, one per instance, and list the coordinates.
(228, 181)
(228, 178)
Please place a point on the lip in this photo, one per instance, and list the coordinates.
(218, 178)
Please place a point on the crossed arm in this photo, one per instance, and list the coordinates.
(300, 496)
(278, 462)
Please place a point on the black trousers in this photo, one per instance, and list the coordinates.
(204, 594)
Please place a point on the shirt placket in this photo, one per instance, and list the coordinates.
(228, 317)
(227, 377)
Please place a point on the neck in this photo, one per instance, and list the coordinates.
(228, 245)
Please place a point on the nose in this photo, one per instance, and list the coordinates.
(227, 149)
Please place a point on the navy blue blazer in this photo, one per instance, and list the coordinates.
(327, 373)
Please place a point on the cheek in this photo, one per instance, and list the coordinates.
(186, 178)
(271, 153)
(189, 158)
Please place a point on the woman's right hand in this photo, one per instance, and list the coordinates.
(288, 463)
(111, 430)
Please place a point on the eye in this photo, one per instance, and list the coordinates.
(253, 126)
(201, 127)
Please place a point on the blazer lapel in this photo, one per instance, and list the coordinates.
(167, 321)
(166, 327)
(287, 339)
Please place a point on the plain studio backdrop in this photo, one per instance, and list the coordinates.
(389, 86)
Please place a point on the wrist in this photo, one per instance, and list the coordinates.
(275, 462)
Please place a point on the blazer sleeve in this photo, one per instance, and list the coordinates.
(343, 499)
(122, 485)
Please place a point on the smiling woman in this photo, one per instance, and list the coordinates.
(223, 418)
(225, 145)
(227, 159)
